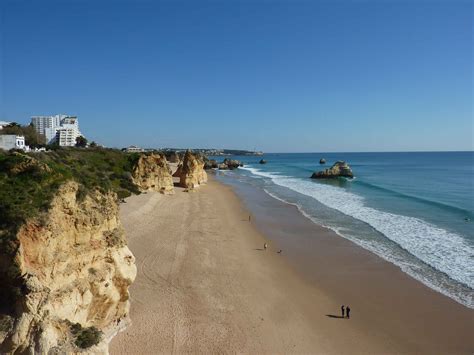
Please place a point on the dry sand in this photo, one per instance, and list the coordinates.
(205, 286)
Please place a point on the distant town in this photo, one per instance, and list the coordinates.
(61, 130)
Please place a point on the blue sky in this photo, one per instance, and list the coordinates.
(280, 76)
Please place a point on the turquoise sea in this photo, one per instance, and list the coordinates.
(415, 210)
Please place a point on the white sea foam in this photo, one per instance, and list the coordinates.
(443, 250)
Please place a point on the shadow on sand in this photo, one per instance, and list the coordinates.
(261, 249)
(334, 316)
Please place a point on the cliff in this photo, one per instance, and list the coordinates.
(74, 269)
(191, 171)
(152, 173)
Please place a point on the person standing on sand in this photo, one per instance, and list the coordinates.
(348, 311)
(265, 246)
(342, 311)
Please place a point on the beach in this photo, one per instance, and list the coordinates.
(205, 284)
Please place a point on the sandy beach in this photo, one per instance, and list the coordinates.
(205, 285)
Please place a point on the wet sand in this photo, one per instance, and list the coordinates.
(205, 285)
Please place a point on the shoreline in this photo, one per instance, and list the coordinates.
(300, 291)
(244, 191)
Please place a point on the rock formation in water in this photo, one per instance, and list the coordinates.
(262, 161)
(191, 171)
(339, 169)
(322, 161)
(152, 173)
(67, 277)
(229, 164)
(210, 164)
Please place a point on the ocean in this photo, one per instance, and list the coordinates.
(415, 210)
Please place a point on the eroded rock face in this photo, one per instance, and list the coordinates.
(152, 173)
(339, 169)
(191, 171)
(26, 164)
(76, 268)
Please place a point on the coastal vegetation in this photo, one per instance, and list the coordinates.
(85, 337)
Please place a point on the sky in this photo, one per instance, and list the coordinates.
(277, 76)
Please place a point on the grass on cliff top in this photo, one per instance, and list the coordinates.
(25, 194)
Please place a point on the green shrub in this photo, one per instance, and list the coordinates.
(6, 323)
(85, 337)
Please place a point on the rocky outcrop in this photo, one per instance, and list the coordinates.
(74, 268)
(152, 173)
(230, 164)
(210, 164)
(191, 171)
(25, 163)
(262, 161)
(339, 169)
(322, 161)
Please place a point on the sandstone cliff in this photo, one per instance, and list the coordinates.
(152, 173)
(191, 171)
(74, 269)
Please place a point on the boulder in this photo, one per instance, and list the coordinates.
(339, 169)
(152, 173)
(263, 161)
(191, 171)
(322, 161)
(222, 166)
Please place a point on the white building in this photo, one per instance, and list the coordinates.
(134, 149)
(68, 132)
(3, 124)
(63, 129)
(47, 126)
(12, 141)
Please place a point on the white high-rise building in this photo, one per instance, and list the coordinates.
(62, 129)
(68, 132)
(47, 126)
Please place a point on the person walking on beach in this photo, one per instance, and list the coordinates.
(265, 246)
(348, 311)
(342, 311)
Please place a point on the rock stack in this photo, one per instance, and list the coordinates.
(191, 171)
(152, 173)
(339, 169)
